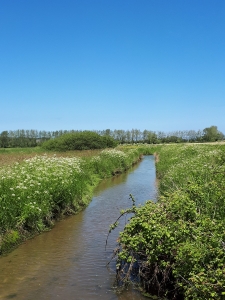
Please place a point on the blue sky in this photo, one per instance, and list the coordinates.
(117, 64)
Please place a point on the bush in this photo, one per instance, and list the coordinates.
(176, 246)
(85, 140)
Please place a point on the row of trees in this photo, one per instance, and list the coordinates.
(32, 138)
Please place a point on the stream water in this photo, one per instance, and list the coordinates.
(69, 262)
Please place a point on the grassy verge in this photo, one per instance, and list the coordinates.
(177, 246)
(38, 190)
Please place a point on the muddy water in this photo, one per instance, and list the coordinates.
(69, 262)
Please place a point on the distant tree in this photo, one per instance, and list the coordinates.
(212, 134)
(4, 139)
(132, 135)
(12, 138)
(128, 136)
(144, 135)
(199, 135)
(191, 135)
(174, 139)
(137, 135)
(107, 132)
(33, 138)
(149, 137)
(161, 136)
(120, 135)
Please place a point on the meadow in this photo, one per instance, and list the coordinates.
(176, 246)
(37, 188)
(9, 156)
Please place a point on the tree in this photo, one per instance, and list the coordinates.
(120, 135)
(137, 135)
(149, 137)
(4, 139)
(212, 134)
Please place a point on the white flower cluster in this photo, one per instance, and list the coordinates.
(113, 153)
(34, 182)
(96, 159)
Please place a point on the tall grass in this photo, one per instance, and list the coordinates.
(36, 191)
(9, 156)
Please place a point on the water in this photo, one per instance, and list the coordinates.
(69, 262)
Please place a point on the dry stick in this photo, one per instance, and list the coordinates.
(114, 225)
(189, 282)
(115, 251)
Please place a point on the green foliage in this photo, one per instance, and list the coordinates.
(79, 141)
(40, 189)
(177, 246)
(4, 139)
(114, 161)
(212, 134)
(10, 239)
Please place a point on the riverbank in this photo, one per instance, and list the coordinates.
(39, 190)
(176, 246)
(70, 259)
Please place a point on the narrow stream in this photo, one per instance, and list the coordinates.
(69, 262)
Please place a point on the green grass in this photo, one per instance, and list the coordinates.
(29, 150)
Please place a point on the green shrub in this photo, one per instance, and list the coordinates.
(177, 246)
(84, 140)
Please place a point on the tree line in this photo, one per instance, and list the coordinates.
(32, 138)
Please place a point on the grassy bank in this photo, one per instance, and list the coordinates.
(177, 246)
(38, 190)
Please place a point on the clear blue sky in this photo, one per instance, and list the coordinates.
(118, 64)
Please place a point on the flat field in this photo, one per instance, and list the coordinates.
(9, 156)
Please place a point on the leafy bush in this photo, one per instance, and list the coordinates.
(177, 246)
(84, 140)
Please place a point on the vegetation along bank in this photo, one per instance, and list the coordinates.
(176, 247)
(38, 190)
